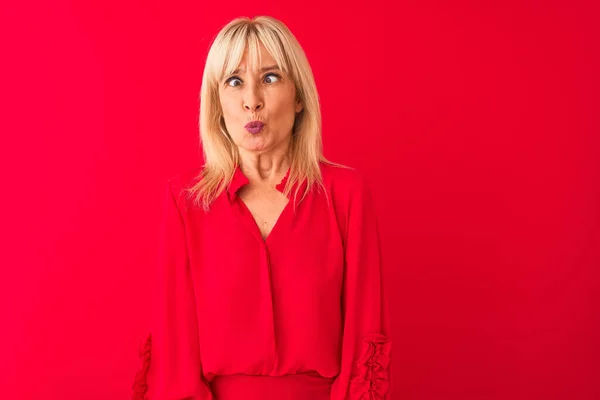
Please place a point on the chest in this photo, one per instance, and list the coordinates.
(265, 204)
(300, 253)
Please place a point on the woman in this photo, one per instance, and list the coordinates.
(270, 277)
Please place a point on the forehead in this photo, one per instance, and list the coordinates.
(255, 59)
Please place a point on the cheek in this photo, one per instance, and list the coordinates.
(284, 104)
(227, 105)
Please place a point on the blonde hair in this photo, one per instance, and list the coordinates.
(220, 152)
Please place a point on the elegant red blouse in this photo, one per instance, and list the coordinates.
(302, 311)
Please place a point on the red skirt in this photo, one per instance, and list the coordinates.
(304, 386)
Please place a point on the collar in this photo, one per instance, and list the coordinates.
(239, 180)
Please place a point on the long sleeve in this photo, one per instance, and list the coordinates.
(171, 354)
(365, 364)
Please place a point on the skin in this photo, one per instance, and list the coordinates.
(268, 96)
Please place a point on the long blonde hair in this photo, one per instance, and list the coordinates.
(220, 152)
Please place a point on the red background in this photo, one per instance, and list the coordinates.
(477, 126)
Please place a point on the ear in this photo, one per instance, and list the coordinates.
(299, 106)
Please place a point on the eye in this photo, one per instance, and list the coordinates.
(232, 79)
(272, 78)
(277, 77)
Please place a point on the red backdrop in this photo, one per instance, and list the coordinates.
(477, 128)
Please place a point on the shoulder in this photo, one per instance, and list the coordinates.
(350, 195)
(184, 178)
(178, 183)
(343, 181)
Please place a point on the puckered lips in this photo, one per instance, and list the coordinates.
(254, 127)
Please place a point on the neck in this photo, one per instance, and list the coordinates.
(268, 167)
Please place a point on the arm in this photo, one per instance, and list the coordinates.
(171, 355)
(365, 364)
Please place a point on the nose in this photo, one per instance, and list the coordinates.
(253, 100)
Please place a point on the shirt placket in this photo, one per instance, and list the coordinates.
(266, 281)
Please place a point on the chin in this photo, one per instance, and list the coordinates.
(256, 143)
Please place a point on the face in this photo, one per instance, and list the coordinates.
(263, 93)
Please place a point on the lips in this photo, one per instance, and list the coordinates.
(254, 126)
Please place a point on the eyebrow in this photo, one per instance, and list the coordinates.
(268, 68)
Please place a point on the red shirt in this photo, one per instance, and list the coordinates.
(307, 301)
